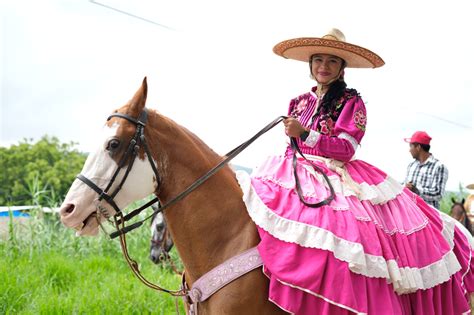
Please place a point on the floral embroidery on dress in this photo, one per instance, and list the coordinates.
(322, 121)
(339, 104)
(299, 106)
(360, 119)
(326, 126)
(327, 121)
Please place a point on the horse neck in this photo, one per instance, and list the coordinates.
(211, 224)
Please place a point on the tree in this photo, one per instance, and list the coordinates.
(38, 173)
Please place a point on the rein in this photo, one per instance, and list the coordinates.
(296, 148)
(133, 149)
(228, 157)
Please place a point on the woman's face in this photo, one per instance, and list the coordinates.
(325, 68)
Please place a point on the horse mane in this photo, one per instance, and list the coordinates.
(178, 130)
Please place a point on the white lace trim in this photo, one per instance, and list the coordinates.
(405, 279)
(312, 138)
(351, 139)
(461, 227)
(446, 218)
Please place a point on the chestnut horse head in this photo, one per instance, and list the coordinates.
(459, 213)
(208, 226)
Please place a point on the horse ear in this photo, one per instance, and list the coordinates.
(138, 101)
(463, 200)
(453, 200)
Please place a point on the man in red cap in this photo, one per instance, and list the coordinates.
(426, 176)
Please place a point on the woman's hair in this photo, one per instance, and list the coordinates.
(335, 92)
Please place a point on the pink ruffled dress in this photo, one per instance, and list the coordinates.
(377, 248)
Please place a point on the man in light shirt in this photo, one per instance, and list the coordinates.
(426, 176)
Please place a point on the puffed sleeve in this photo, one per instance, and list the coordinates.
(291, 107)
(348, 132)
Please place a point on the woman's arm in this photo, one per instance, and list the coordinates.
(348, 131)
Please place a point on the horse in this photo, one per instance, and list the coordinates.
(208, 226)
(469, 202)
(458, 212)
(161, 241)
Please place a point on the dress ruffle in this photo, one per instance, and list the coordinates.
(379, 189)
(375, 238)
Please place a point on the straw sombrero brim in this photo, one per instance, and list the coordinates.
(470, 186)
(303, 48)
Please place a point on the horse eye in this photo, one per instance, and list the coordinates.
(113, 145)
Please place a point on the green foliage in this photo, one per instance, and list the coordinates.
(38, 173)
(447, 202)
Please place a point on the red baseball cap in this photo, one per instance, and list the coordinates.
(419, 137)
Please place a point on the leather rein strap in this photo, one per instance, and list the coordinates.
(296, 149)
(228, 157)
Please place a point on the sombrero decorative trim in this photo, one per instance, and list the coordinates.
(333, 44)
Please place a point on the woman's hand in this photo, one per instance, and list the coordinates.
(293, 127)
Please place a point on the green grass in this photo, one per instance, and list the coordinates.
(46, 269)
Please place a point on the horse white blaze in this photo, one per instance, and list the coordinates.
(81, 201)
(158, 219)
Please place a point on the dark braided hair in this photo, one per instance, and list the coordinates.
(334, 93)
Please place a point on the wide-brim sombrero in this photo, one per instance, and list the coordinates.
(332, 43)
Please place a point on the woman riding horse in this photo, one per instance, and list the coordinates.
(336, 235)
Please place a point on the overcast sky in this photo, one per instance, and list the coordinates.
(66, 64)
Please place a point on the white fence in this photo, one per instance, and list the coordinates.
(4, 209)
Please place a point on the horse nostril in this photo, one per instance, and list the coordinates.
(67, 209)
(154, 258)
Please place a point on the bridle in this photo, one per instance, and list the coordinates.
(136, 143)
(119, 219)
(133, 149)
